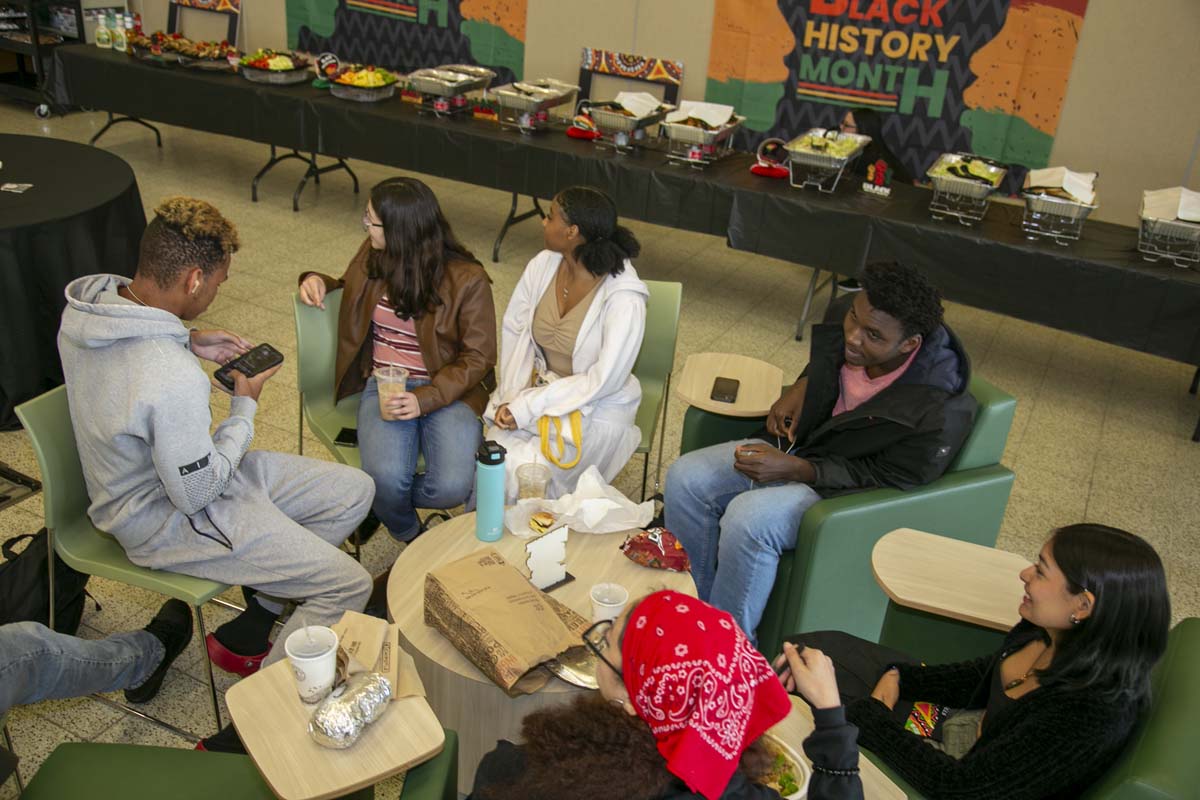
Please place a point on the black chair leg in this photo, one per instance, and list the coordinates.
(512, 219)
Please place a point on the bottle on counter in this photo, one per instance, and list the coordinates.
(120, 42)
(103, 34)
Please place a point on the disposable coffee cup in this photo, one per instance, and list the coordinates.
(608, 600)
(390, 381)
(312, 653)
(532, 480)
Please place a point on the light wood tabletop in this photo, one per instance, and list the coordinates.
(759, 387)
(795, 728)
(950, 578)
(273, 724)
(464, 699)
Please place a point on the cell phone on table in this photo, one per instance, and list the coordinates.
(347, 437)
(725, 390)
(260, 359)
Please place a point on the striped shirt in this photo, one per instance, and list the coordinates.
(395, 341)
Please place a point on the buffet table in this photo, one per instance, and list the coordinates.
(1097, 287)
(83, 215)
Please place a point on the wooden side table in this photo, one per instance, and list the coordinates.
(759, 383)
(795, 728)
(464, 699)
(273, 724)
(947, 599)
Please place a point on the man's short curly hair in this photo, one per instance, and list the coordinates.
(903, 293)
(185, 233)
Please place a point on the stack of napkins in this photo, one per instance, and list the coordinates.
(1078, 186)
(640, 104)
(714, 115)
(1174, 203)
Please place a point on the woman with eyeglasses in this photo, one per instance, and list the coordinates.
(684, 700)
(1046, 715)
(413, 297)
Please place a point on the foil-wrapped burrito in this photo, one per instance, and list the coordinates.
(341, 718)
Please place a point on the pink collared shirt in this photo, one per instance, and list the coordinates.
(858, 387)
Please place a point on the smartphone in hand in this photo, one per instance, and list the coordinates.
(260, 359)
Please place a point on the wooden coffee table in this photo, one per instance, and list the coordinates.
(463, 698)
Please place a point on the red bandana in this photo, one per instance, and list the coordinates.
(705, 692)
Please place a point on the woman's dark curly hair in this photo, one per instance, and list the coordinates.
(606, 244)
(592, 748)
(903, 293)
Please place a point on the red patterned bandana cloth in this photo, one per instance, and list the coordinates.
(703, 689)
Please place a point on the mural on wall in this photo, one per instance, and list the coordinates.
(223, 6)
(419, 33)
(984, 76)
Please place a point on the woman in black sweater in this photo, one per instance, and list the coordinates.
(1058, 701)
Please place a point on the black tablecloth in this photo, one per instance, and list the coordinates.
(1098, 286)
(83, 215)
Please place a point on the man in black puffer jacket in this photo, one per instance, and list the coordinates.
(883, 402)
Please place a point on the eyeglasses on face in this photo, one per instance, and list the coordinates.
(596, 639)
(367, 224)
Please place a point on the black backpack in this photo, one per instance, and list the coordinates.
(25, 586)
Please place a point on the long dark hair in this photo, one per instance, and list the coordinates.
(606, 244)
(418, 241)
(592, 748)
(1112, 650)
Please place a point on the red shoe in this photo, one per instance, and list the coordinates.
(200, 746)
(224, 658)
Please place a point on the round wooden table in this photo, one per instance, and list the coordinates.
(463, 698)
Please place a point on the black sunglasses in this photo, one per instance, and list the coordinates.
(595, 637)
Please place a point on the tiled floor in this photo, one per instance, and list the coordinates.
(1101, 433)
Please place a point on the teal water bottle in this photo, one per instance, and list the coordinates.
(489, 491)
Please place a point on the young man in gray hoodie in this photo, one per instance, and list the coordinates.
(176, 496)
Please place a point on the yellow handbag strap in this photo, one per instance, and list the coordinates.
(576, 419)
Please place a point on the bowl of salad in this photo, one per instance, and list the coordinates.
(363, 84)
(268, 66)
(789, 772)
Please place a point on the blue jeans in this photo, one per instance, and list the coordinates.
(448, 438)
(733, 529)
(38, 664)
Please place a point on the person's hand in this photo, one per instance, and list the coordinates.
(784, 415)
(248, 387)
(809, 672)
(403, 406)
(312, 291)
(762, 463)
(887, 691)
(505, 419)
(218, 346)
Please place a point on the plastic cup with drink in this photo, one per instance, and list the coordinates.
(312, 654)
(532, 480)
(390, 382)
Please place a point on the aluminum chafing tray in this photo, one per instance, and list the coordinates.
(533, 96)
(1172, 239)
(810, 166)
(1053, 217)
(690, 134)
(965, 199)
(611, 121)
(450, 81)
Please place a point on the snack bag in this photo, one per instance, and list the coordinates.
(656, 548)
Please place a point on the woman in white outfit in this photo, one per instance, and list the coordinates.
(571, 335)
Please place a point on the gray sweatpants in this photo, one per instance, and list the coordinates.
(277, 529)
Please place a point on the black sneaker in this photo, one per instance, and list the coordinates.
(172, 626)
(367, 528)
(227, 741)
(849, 285)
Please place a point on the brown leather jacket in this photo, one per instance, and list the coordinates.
(458, 340)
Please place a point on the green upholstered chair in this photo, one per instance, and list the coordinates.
(826, 582)
(316, 349)
(1160, 760)
(131, 772)
(47, 420)
(655, 362)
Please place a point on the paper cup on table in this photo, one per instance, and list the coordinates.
(312, 652)
(608, 601)
(532, 480)
(390, 381)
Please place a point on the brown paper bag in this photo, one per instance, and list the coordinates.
(499, 620)
(361, 637)
(398, 667)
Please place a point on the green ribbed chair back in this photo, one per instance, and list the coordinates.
(993, 420)
(656, 359)
(316, 360)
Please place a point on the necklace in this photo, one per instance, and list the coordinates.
(1015, 682)
(138, 300)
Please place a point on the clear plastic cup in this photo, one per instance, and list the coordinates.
(532, 480)
(312, 653)
(390, 381)
(608, 600)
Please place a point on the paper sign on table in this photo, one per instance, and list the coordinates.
(547, 557)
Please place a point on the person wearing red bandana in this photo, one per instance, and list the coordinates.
(684, 699)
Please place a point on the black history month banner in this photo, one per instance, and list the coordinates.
(408, 34)
(984, 76)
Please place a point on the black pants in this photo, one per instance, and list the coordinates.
(857, 662)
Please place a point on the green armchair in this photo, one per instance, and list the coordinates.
(826, 582)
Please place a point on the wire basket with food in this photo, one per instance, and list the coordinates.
(962, 186)
(700, 133)
(818, 157)
(1057, 203)
(526, 105)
